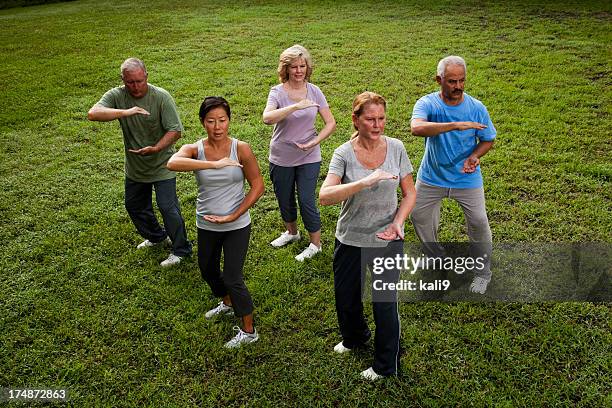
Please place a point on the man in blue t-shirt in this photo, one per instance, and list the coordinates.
(458, 132)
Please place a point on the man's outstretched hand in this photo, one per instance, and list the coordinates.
(145, 151)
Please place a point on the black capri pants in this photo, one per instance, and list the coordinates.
(234, 244)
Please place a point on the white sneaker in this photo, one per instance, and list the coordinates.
(221, 308)
(285, 238)
(370, 374)
(339, 348)
(242, 338)
(310, 251)
(171, 260)
(479, 285)
(146, 243)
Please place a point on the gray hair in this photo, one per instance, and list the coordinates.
(450, 60)
(132, 64)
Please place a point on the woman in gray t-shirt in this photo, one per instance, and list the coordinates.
(364, 174)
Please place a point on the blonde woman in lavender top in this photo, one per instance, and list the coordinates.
(295, 155)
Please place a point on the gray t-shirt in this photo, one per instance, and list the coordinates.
(220, 192)
(372, 209)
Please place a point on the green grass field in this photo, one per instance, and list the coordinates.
(81, 309)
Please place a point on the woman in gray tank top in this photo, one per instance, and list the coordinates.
(221, 164)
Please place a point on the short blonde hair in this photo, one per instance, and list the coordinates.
(364, 99)
(288, 56)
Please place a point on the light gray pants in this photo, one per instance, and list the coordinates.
(426, 220)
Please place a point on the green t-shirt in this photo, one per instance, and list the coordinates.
(142, 130)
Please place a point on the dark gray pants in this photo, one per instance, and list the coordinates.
(285, 180)
(139, 205)
(234, 245)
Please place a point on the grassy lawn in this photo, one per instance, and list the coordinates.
(81, 309)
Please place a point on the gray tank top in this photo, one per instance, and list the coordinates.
(220, 192)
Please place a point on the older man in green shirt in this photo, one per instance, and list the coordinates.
(151, 125)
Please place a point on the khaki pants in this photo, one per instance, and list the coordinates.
(426, 220)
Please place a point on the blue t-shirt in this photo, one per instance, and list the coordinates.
(445, 153)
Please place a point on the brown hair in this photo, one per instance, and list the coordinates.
(288, 56)
(364, 99)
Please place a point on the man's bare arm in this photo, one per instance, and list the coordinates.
(101, 113)
(167, 140)
(420, 127)
(473, 160)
